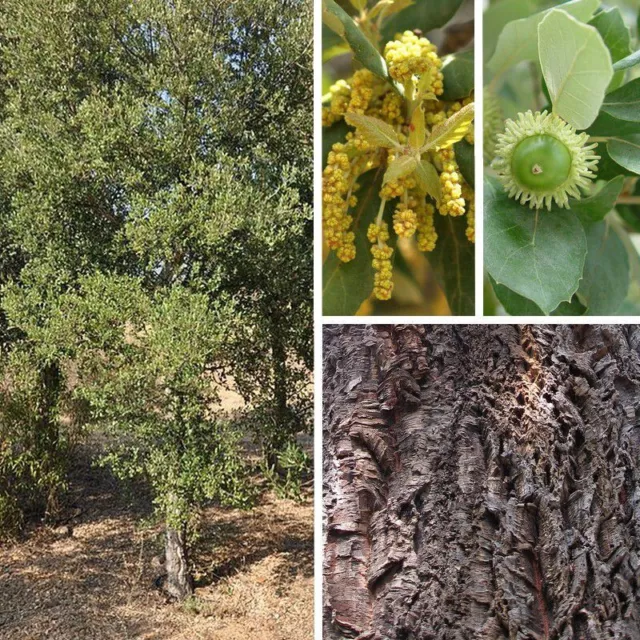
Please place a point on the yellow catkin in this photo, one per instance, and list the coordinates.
(362, 84)
(426, 235)
(452, 202)
(396, 188)
(405, 221)
(335, 188)
(378, 235)
(340, 94)
(469, 196)
(411, 56)
(392, 109)
(383, 276)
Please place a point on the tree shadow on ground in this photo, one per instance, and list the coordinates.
(91, 573)
(233, 540)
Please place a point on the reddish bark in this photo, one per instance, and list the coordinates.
(482, 482)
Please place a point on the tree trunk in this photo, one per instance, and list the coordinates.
(179, 583)
(482, 482)
(47, 434)
(282, 429)
(280, 403)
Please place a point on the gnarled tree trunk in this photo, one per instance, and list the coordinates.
(482, 482)
(179, 584)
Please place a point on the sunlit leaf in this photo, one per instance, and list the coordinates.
(417, 129)
(428, 180)
(399, 168)
(362, 49)
(576, 65)
(374, 131)
(450, 131)
(519, 39)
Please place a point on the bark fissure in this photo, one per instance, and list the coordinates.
(482, 482)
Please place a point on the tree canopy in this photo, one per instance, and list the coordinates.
(155, 232)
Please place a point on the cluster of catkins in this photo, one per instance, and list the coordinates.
(411, 60)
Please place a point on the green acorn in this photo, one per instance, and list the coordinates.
(541, 159)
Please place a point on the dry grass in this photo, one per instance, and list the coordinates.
(93, 577)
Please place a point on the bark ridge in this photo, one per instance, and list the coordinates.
(481, 482)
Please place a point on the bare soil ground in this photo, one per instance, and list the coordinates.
(93, 576)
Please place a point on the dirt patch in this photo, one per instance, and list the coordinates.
(93, 575)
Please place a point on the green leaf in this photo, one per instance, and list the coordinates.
(605, 280)
(450, 131)
(628, 62)
(597, 206)
(608, 168)
(423, 15)
(626, 152)
(458, 76)
(331, 21)
(345, 286)
(329, 53)
(576, 65)
(375, 131)
(330, 38)
(572, 308)
(519, 39)
(499, 14)
(417, 130)
(428, 180)
(616, 35)
(630, 216)
(607, 125)
(466, 161)
(389, 7)
(517, 305)
(539, 255)
(624, 103)
(400, 167)
(358, 5)
(453, 264)
(362, 49)
(514, 304)
(630, 213)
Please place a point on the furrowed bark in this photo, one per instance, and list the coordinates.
(179, 584)
(482, 482)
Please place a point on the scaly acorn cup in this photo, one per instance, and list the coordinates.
(541, 159)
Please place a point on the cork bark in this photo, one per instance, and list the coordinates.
(481, 482)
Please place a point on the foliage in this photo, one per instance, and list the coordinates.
(32, 449)
(286, 474)
(397, 136)
(155, 219)
(580, 62)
